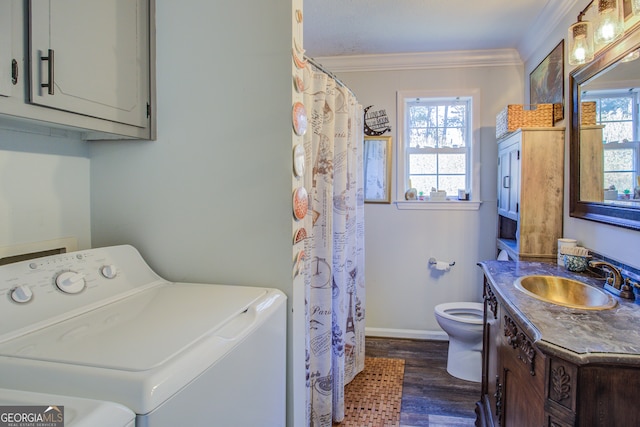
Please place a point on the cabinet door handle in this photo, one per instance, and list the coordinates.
(14, 72)
(506, 181)
(50, 76)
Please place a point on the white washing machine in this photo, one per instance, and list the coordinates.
(100, 324)
(75, 411)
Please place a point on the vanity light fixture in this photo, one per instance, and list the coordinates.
(608, 26)
(580, 42)
(610, 21)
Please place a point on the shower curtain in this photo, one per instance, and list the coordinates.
(334, 273)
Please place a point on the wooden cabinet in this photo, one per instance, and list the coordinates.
(522, 386)
(490, 405)
(83, 65)
(520, 364)
(530, 192)
(512, 371)
(591, 164)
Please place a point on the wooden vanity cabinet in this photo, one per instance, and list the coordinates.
(490, 405)
(524, 387)
(530, 193)
(522, 376)
(512, 371)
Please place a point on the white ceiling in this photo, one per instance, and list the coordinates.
(362, 27)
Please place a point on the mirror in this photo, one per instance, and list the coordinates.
(605, 135)
(377, 169)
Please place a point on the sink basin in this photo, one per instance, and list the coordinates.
(565, 292)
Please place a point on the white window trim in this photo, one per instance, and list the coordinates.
(474, 158)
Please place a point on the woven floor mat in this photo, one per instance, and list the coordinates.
(374, 396)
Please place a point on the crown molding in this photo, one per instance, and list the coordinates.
(554, 14)
(421, 60)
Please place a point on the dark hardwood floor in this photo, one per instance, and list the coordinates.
(430, 396)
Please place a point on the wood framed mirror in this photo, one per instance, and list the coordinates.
(605, 135)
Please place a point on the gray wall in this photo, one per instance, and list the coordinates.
(614, 242)
(44, 187)
(402, 291)
(210, 200)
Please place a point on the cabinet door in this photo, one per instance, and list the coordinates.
(5, 47)
(91, 57)
(522, 377)
(508, 180)
(491, 381)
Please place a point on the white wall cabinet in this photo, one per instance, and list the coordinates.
(85, 66)
(530, 193)
(5, 48)
(87, 57)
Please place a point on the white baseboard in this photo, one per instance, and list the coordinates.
(406, 333)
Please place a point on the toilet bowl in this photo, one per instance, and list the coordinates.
(462, 321)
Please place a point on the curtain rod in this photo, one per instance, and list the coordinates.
(327, 72)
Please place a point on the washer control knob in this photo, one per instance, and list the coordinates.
(109, 271)
(21, 294)
(70, 282)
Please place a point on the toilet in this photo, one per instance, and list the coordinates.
(463, 322)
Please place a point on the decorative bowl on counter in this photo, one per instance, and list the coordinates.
(575, 262)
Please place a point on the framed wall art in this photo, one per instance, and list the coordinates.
(546, 82)
(377, 169)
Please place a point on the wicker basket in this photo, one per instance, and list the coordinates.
(588, 113)
(515, 116)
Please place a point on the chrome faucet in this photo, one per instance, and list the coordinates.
(615, 283)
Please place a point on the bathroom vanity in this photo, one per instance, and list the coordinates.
(545, 364)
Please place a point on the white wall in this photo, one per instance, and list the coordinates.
(401, 291)
(210, 200)
(44, 188)
(614, 242)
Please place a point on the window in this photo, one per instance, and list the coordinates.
(435, 143)
(618, 111)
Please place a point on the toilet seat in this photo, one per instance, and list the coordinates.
(465, 312)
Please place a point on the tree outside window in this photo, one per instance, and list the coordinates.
(618, 112)
(437, 143)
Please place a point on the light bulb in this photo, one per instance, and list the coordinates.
(610, 23)
(606, 32)
(580, 43)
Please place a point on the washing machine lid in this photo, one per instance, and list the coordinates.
(78, 412)
(140, 332)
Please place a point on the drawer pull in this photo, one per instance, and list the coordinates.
(50, 68)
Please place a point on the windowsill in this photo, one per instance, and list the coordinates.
(449, 205)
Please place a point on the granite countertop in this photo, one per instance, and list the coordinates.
(579, 336)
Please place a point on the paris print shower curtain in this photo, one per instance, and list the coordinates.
(334, 273)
